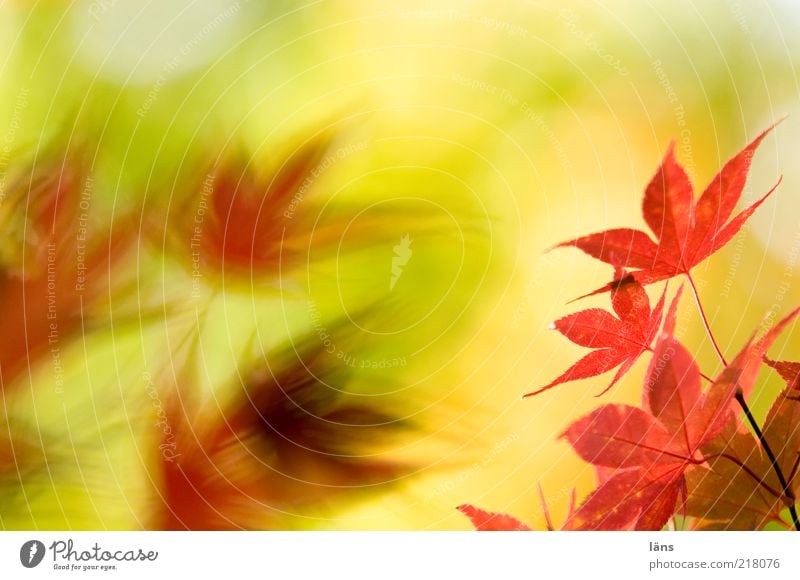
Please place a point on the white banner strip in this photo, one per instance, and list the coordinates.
(400, 555)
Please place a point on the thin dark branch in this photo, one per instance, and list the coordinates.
(787, 491)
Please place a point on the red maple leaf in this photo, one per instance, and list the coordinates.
(789, 372)
(782, 425)
(652, 447)
(248, 224)
(686, 231)
(617, 341)
(495, 522)
(738, 489)
(490, 521)
(782, 431)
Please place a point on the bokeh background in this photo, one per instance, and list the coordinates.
(422, 158)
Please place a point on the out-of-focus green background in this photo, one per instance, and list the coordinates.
(486, 131)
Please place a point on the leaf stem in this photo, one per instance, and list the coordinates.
(705, 320)
(788, 494)
(706, 377)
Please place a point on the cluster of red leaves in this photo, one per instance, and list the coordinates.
(688, 452)
(292, 436)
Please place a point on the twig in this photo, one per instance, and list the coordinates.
(788, 494)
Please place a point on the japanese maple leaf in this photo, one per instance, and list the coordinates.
(618, 342)
(789, 372)
(736, 489)
(782, 425)
(686, 231)
(648, 448)
(490, 521)
(652, 447)
(495, 522)
(248, 215)
(782, 432)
